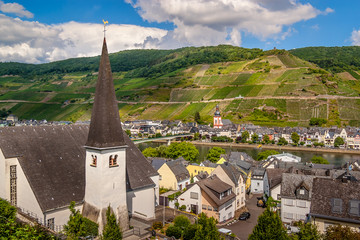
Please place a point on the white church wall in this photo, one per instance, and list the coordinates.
(155, 179)
(25, 196)
(2, 176)
(60, 216)
(141, 202)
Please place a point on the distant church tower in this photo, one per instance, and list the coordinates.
(105, 153)
(217, 118)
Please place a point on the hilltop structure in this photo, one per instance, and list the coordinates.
(44, 168)
(217, 118)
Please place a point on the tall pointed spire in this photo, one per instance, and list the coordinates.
(105, 127)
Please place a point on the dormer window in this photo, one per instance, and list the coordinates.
(336, 205)
(113, 161)
(354, 207)
(94, 161)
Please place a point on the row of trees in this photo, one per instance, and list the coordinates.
(183, 149)
(295, 138)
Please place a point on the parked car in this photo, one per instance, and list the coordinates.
(261, 202)
(244, 216)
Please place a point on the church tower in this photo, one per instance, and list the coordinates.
(105, 166)
(217, 118)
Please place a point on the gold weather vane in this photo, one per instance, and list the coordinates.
(105, 22)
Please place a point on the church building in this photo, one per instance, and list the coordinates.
(44, 168)
(217, 118)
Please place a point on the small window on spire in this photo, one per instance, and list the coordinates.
(94, 161)
(113, 161)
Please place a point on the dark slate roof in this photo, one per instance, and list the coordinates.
(232, 172)
(213, 186)
(156, 163)
(53, 161)
(325, 189)
(291, 182)
(105, 127)
(274, 176)
(179, 170)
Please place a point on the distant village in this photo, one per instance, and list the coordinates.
(308, 137)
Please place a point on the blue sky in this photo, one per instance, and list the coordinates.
(41, 31)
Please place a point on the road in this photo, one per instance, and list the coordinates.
(243, 229)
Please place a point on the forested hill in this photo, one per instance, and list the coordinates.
(272, 87)
(148, 63)
(334, 59)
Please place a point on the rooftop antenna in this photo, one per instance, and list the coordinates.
(105, 22)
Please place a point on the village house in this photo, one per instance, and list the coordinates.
(210, 196)
(296, 197)
(272, 182)
(257, 180)
(173, 175)
(229, 174)
(336, 201)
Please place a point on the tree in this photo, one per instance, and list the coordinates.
(190, 232)
(197, 117)
(181, 222)
(338, 141)
(214, 154)
(307, 231)
(254, 138)
(184, 149)
(319, 160)
(128, 132)
(196, 136)
(111, 228)
(11, 229)
(150, 152)
(265, 154)
(341, 232)
(75, 227)
(295, 137)
(269, 226)
(206, 228)
(79, 226)
(173, 231)
(266, 139)
(317, 122)
(244, 136)
(282, 141)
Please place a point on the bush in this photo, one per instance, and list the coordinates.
(157, 225)
(190, 232)
(173, 231)
(181, 221)
(182, 208)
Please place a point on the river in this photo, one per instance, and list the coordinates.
(333, 158)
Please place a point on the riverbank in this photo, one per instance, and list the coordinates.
(274, 147)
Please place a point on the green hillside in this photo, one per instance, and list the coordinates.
(250, 85)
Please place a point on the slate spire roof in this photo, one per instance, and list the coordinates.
(105, 126)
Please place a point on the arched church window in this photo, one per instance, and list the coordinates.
(94, 160)
(113, 161)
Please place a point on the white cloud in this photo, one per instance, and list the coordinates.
(355, 38)
(16, 9)
(34, 42)
(261, 18)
